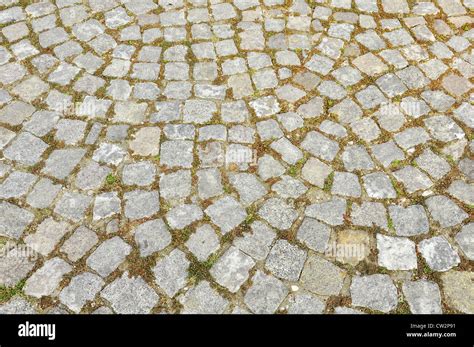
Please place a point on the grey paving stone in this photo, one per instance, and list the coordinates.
(130, 295)
(457, 286)
(464, 239)
(285, 260)
(25, 149)
(303, 303)
(410, 220)
(278, 213)
(80, 290)
(232, 269)
(445, 211)
(346, 184)
(141, 204)
(438, 253)
(248, 186)
(396, 253)
(331, 211)
(376, 292)
(423, 297)
(79, 243)
(203, 299)
(265, 294)
(226, 213)
(152, 236)
(108, 256)
(171, 272)
(46, 279)
(322, 277)
(15, 264)
(378, 186)
(47, 236)
(314, 235)
(183, 215)
(203, 242)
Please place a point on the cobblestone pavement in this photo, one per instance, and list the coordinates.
(237, 156)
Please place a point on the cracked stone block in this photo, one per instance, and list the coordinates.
(462, 191)
(433, 164)
(130, 295)
(171, 272)
(330, 212)
(265, 294)
(289, 152)
(289, 187)
(413, 179)
(376, 292)
(108, 256)
(285, 260)
(438, 253)
(152, 236)
(257, 243)
(249, 187)
(232, 269)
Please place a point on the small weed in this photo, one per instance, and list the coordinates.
(328, 182)
(8, 293)
(110, 179)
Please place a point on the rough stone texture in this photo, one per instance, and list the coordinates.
(459, 290)
(423, 297)
(376, 292)
(231, 270)
(155, 136)
(321, 277)
(130, 295)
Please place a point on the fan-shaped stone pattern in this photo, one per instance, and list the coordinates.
(205, 157)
